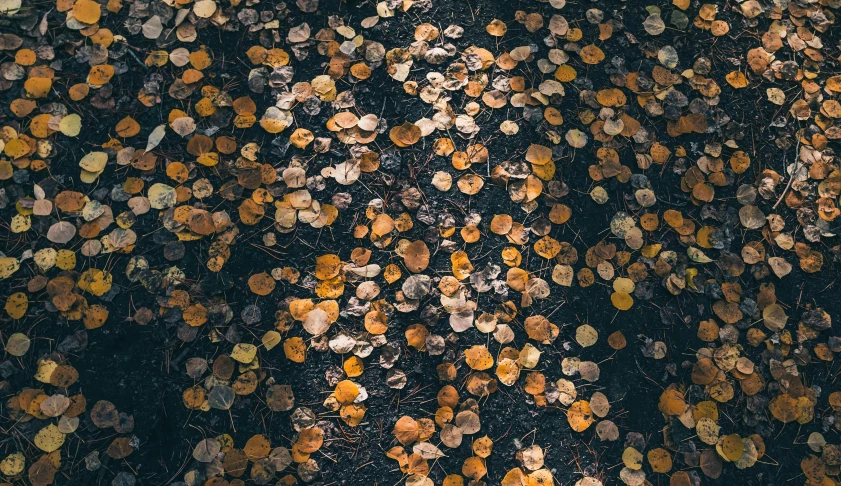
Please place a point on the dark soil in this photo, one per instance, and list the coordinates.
(141, 368)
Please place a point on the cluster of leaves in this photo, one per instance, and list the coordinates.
(449, 234)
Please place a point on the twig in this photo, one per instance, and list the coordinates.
(793, 172)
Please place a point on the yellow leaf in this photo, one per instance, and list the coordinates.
(244, 353)
(13, 464)
(16, 305)
(49, 438)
